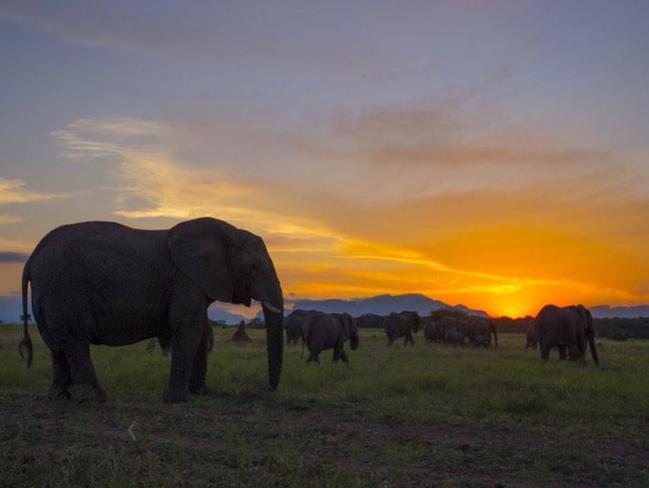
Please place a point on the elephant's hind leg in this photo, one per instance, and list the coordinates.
(562, 352)
(61, 377)
(83, 371)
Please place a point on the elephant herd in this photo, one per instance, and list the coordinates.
(105, 283)
(321, 331)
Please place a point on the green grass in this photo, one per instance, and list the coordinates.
(421, 416)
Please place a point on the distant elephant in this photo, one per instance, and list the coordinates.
(370, 321)
(432, 331)
(568, 329)
(402, 324)
(105, 283)
(482, 327)
(322, 331)
(481, 341)
(531, 337)
(293, 325)
(454, 336)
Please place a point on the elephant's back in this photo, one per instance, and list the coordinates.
(109, 271)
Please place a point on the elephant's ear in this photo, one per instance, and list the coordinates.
(200, 248)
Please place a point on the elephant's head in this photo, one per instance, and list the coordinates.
(351, 330)
(232, 265)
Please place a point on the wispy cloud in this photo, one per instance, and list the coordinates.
(14, 191)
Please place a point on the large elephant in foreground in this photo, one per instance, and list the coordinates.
(105, 283)
(569, 329)
(402, 324)
(322, 331)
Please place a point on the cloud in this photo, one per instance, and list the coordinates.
(220, 32)
(9, 219)
(13, 191)
(13, 257)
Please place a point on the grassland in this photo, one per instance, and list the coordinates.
(422, 416)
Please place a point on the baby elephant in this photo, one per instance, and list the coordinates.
(322, 331)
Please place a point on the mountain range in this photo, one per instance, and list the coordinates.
(381, 305)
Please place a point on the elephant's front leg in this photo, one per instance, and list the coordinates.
(339, 355)
(343, 356)
(562, 352)
(187, 334)
(197, 384)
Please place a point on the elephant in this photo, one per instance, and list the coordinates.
(481, 341)
(370, 321)
(402, 324)
(531, 336)
(568, 329)
(105, 283)
(165, 342)
(454, 335)
(475, 327)
(433, 331)
(293, 325)
(322, 331)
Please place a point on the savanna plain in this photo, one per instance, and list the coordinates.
(428, 415)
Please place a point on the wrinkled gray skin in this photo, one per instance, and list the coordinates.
(569, 329)
(105, 283)
(322, 331)
(293, 325)
(402, 324)
(165, 342)
(531, 336)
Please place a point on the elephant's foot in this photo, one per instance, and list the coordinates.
(58, 393)
(88, 394)
(200, 389)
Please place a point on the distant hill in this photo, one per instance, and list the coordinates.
(383, 305)
(10, 308)
(606, 311)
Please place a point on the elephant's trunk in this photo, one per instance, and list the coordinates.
(353, 341)
(593, 347)
(274, 343)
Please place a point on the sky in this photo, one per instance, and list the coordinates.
(484, 152)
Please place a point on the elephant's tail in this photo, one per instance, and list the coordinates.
(25, 347)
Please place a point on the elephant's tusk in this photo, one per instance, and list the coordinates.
(270, 307)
